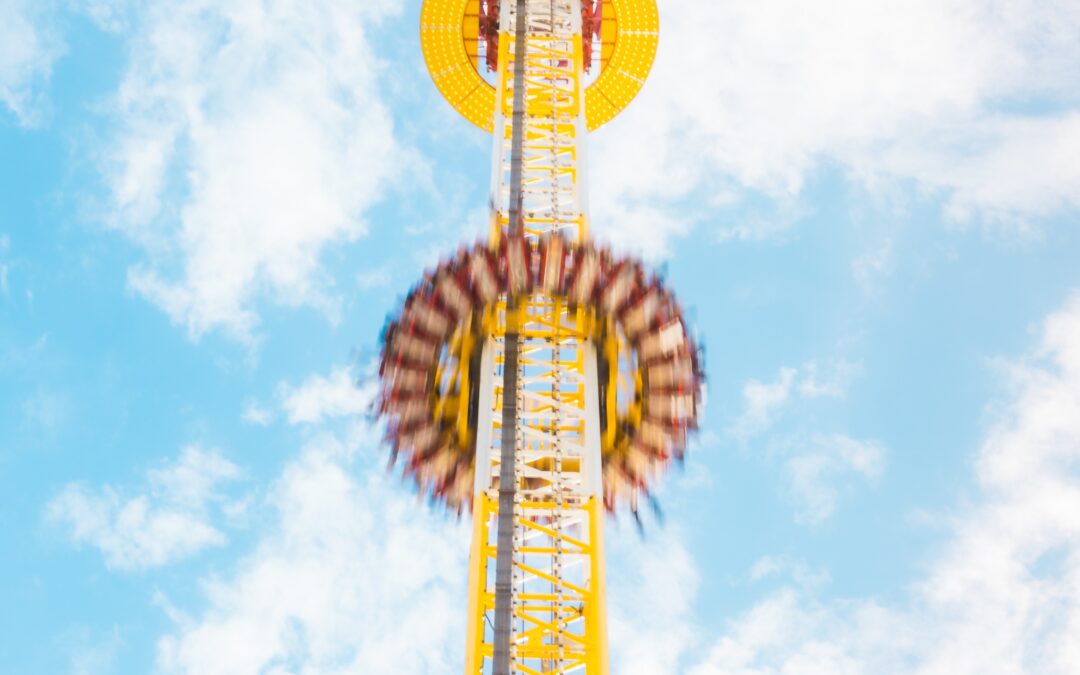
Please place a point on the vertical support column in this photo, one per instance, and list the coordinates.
(596, 611)
(504, 592)
(558, 617)
(478, 570)
(507, 513)
(553, 195)
(545, 472)
(592, 470)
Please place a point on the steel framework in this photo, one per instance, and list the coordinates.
(556, 557)
(500, 375)
(557, 549)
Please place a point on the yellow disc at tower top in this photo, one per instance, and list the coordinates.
(628, 35)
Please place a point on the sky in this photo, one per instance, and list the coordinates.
(869, 207)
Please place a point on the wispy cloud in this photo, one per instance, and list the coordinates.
(652, 603)
(797, 570)
(249, 139)
(790, 633)
(169, 519)
(874, 265)
(1002, 594)
(818, 468)
(377, 278)
(764, 401)
(971, 101)
(821, 469)
(46, 411)
(91, 652)
(323, 397)
(29, 46)
(5, 244)
(256, 414)
(110, 15)
(353, 576)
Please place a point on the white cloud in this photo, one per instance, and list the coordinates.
(375, 278)
(873, 265)
(28, 49)
(754, 225)
(788, 634)
(169, 521)
(821, 469)
(320, 398)
(330, 587)
(827, 380)
(251, 138)
(256, 414)
(653, 587)
(1003, 595)
(763, 401)
(782, 565)
(46, 411)
(971, 100)
(91, 653)
(5, 244)
(354, 576)
(111, 15)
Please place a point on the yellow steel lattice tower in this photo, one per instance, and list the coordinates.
(501, 374)
(556, 606)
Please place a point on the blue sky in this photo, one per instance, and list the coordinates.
(207, 209)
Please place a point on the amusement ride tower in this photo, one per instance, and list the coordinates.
(537, 378)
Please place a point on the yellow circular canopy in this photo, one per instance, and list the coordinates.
(449, 34)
